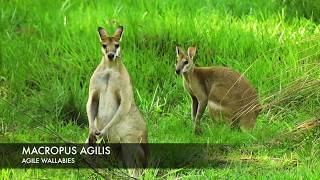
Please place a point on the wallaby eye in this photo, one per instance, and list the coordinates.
(104, 46)
(186, 62)
(116, 46)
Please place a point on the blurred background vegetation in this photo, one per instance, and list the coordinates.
(49, 49)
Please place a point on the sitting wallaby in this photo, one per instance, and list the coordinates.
(111, 109)
(227, 93)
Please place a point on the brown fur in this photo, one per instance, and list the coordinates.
(112, 112)
(227, 93)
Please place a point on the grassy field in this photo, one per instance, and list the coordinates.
(49, 50)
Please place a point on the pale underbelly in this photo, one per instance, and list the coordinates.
(108, 106)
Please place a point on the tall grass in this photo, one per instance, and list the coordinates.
(49, 50)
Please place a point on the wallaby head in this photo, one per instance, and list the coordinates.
(110, 45)
(184, 60)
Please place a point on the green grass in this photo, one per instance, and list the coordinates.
(50, 49)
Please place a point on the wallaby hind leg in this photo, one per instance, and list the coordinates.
(134, 158)
(218, 116)
(215, 115)
(248, 121)
(232, 121)
(134, 153)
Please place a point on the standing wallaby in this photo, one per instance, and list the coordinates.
(227, 93)
(111, 109)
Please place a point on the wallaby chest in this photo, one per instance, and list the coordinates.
(193, 86)
(105, 80)
(187, 86)
(107, 84)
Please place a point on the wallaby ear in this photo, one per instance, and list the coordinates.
(118, 33)
(103, 34)
(192, 52)
(178, 50)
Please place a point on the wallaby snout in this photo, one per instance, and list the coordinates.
(110, 56)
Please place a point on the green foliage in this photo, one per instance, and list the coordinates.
(306, 8)
(49, 49)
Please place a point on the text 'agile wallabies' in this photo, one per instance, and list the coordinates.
(112, 112)
(227, 93)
